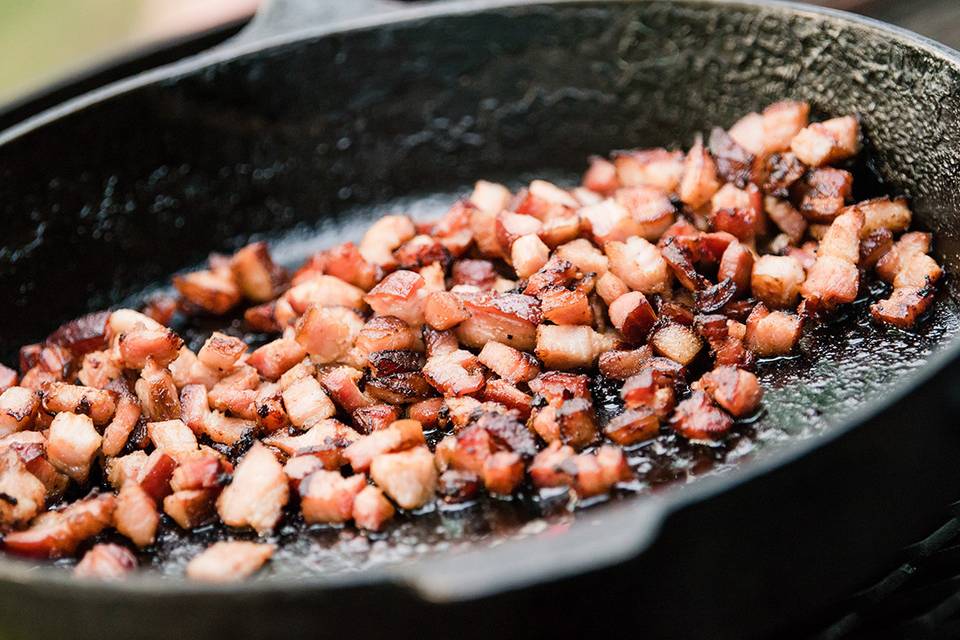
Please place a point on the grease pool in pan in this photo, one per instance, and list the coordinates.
(839, 366)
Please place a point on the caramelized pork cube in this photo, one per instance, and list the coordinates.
(601, 176)
(700, 180)
(136, 515)
(385, 333)
(72, 444)
(874, 246)
(22, 495)
(18, 409)
(502, 472)
(220, 352)
(620, 364)
(565, 306)
(402, 434)
(347, 263)
(772, 333)
(444, 310)
(191, 508)
(509, 318)
(583, 255)
(826, 142)
(509, 363)
(608, 220)
(229, 561)
(597, 474)
(677, 342)
(831, 282)
(162, 345)
(154, 475)
(56, 534)
(842, 238)
(570, 421)
(96, 403)
(639, 265)
(106, 562)
(376, 417)
(328, 333)
(633, 316)
(256, 496)
(904, 306)
(340, 383)
(697, 418)
(906, 247)
(822, 193)
(408, 477)
(554, 466)
(734, 162)
(326, 496)
(568, 347)
(306, 403)
(215, 292)
(274, 358)
(734, 389)
(786, 217)
(259, 278)
(528, 254)
(633, 426)
(322, 290)
(782, 121)
(658, 168)
(157, 393)
(455, 374)
(888, 213)
(401, 294)
(371, 509)
(917, 272)
(384, 236)
(776, 280)
(649, 208)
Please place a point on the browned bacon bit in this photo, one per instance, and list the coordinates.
(258, 277)
(455, 374)
(340, 383)
(772, 333)
(734, 163)
(229, 561)
(568, 347)
(700, 180)
(510, 364)
(221, 352)
(444, 310)
(22, 495)
(697, 418)
(83, 335)
(633, 426)
(554, 466)
(389, 362)
(786, 217)
(735, 390)
(155, 473)
(375, 417)
(256, 496)
(904, 306)
(328, 497)
(213, 291)
(597, 474)
(601, 176)
(874, 246)
(821, 195)
(658, 168)
(677, 342)
(909, 245)
(72, 444)
(157, 393)
(371, 509)
(776, 280)
(829, 141)
(400, 388)
(58, 533)
(59, 397)
(161, 345)
(18, 409)
(620, 364)
(408, 477)
(503, 472)
(736, 264)
(402, 434)
(274, 358)
(106, 562)
(136, 515)
(830, 282)
(507, 317)
(633, 316)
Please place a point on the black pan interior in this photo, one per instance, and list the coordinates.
(304, 141)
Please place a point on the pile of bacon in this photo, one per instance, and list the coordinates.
(484, 327)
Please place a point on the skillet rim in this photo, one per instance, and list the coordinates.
(640, 517)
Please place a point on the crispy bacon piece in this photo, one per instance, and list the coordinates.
(323, 290)
(326, 440)
(502, 472)
(786, 217)
(826, 142)
(328, 333)
(771, 333)
(220, 352)
(400, 388)
(571, 421)
(268, 405)
(649, 208)
(508, 395)
(510, 364)
(125, 418)
(639, 265)
(401, 294)
(620, 364)
(98, 370)
(123, 469)
(191, 508)
(408, 477)
(597, 474)
(402, 434)
(734, 162)
(444, 310)
(700, 180)
(677, 342)
(274, 358)
(375, 417)
(633, 316)
(420, 251)
(214, 291)
(601, 176)
(554, 466)
(229, 561)
(306, 403)
(340, 383)
(633, 426)
(136, 515)
(906, 247)
(780, 171)
(56, 534)
(568, 347)
(528, 254)
(609, 287)
(734, 389)
(173, 437)
(830, 282)
(385, 363)
(697, 418)
(22, 495)
(512, 226)
(747, 133)
(904, 306)
(157, 393)
(258, 277)
(256, 496)
(873, 247)
(776, 280)
(429, 413)
(842, 238)
(510, 318)
(326, 496)
(782, 121)
(154, 474)
(347, 263)
(18, 409)
(106, 562)
(823, 193)
(162, 345)
(371, 510)
(96, 403)
(608, 220)
(658, 168)
(72, 444)
(384, 333)
(455, 374)
(383, 237)
(565, 306)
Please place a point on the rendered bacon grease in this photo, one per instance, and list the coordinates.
(669, 272)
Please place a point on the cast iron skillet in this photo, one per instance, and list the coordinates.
(299, 121)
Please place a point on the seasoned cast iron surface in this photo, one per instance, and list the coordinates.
(101, 202)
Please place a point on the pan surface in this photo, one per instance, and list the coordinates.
(303, 141)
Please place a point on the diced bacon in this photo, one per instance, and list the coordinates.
(327, 441)
(884, 213)
(96, 403)
(220, 352)
(458, 486)
(528, 254)
(191, 508)
(842, 239)
(737, 264)
(97, 370)
(782, 121)
(511, 226)
(830, 282)
(408, 477)
(633, 316)
(609, 220)
(187, 369)
(565, 306)
(747, 133)
(326, 496)
(601, 176)
(194, 406)
(347, 263)
(162, 345)
(385, 363)
(909, 245)
(649, 208)
(476, 273)
(780, 172)
(438, 343)
(776, 280)
(509, 363)
(786, 217)
(544, 200)
(597, 474)
(483, 226)
(554, 466)
(299, 467)
(229, 561)
(384, 236)
(428, 412)
(490, 196)
(225, 429)
(509, 318)
(823, 193)
(136, 515)
(383, 333)
(458, 373)
(154, 475)
(256, 496)
(157, 393)
(376, 417)
(274, 358)
(270, 411)
(583, 255)
(556, 273)
(341, 384)
(639, 265)
(126, 468)
(700, 179)
(58, 533)
(35, 378)
(620, 365)
(734, 163)
(772, 333)
(502, 392)
(106, 562)
(327, 333)
(401, 294)
(18, 409)
(904, 306)
(453, 228)
(677, 342)
(917, 272)
(557, 231)
(213, 291)
(126, 320)
(633, 426)
(502, 472)
(324, 290)
(202, 470)
(9, 377)
(609, 287)
(22, 495)
(371, 510)
(734, 389)
(658, 168)
(826, 142)
(116, 434)
(570, 421)
(258, 277)
(172, 436)
(568, 347)
(421, 251)
(402, 434)
(697, 418)
(873, 247)
(81, 335)
(306, 402)
(161, 308)
(444, 310)
(72, 444)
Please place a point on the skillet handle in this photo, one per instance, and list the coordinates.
(278, 17)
